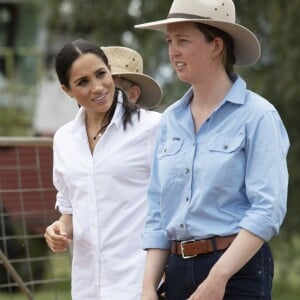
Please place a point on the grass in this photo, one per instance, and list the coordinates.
(62, 293)
(59, 269)
(286, 292)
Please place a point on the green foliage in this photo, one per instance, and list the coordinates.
(14, 122)
(91, 19)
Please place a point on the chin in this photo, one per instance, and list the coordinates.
(108, 106)
(182, 78)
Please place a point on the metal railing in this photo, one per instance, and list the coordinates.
(27, 199)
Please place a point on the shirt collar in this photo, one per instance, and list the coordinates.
(117, 118)
(236, 94)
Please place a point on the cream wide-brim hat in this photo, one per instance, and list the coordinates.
(126, 62)
(216, 13)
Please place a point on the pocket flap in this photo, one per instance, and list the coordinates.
(171, 147)
(227, 143)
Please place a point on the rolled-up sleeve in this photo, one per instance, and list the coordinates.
(266, 179)
(154, 235)
(63, 203)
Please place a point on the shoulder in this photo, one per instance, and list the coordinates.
(257, 108)
(149, 118)
(248, 99)
(63, 130)
(174, 112)
(177, 107)
(257, 103)
(75, 125)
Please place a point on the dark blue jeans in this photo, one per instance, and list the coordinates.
(252, 282)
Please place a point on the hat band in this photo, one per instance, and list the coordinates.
(185, 16)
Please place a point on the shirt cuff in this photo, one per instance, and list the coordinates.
(155, 240)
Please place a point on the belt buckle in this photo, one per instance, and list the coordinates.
(182, 249)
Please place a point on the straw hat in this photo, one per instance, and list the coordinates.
(217, 13)
(128, 63)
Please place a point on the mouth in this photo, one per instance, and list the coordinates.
(179, 65)
(100, 99)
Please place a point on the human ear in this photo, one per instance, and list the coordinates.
(218, 45)
(67, 91)
(134, 93)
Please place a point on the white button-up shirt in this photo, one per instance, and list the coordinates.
(106, 195)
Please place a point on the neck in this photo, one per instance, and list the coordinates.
(207, 96)
(95, 125)
(94, 119)
(210, 92)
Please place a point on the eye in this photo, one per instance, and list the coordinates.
(100, 74)
(182, 41)
(82, 82)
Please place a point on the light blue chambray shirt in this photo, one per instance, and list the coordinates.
(232, 174)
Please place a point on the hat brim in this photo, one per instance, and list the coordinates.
(151, 93)
(246, 46)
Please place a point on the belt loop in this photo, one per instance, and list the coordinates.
(214, 244)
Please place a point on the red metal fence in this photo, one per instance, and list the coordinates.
(27, 199)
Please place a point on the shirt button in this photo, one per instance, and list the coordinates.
(187, 171)
(187, 198)
(225, 147)
(181, 225)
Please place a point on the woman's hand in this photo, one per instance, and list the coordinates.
(210, 289)
(155, 262)
(149, 295)
(241, 250)
(56, 237)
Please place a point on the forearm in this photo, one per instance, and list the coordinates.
(155, 263)
(242, 249)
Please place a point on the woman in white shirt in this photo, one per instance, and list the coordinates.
(101, 169)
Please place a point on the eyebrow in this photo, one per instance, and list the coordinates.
(178, 35)
(78, 79)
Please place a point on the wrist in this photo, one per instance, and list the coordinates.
(220, 273)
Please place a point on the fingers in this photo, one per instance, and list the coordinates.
(58, 245)
(56, 237)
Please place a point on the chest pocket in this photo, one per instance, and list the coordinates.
(171, 147)
(227, 143)
(226, 163)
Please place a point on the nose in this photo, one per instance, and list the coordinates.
(173, 50)
(96, 85)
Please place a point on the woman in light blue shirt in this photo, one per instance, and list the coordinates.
(218, 187)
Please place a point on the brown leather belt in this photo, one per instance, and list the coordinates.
(191, 248)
